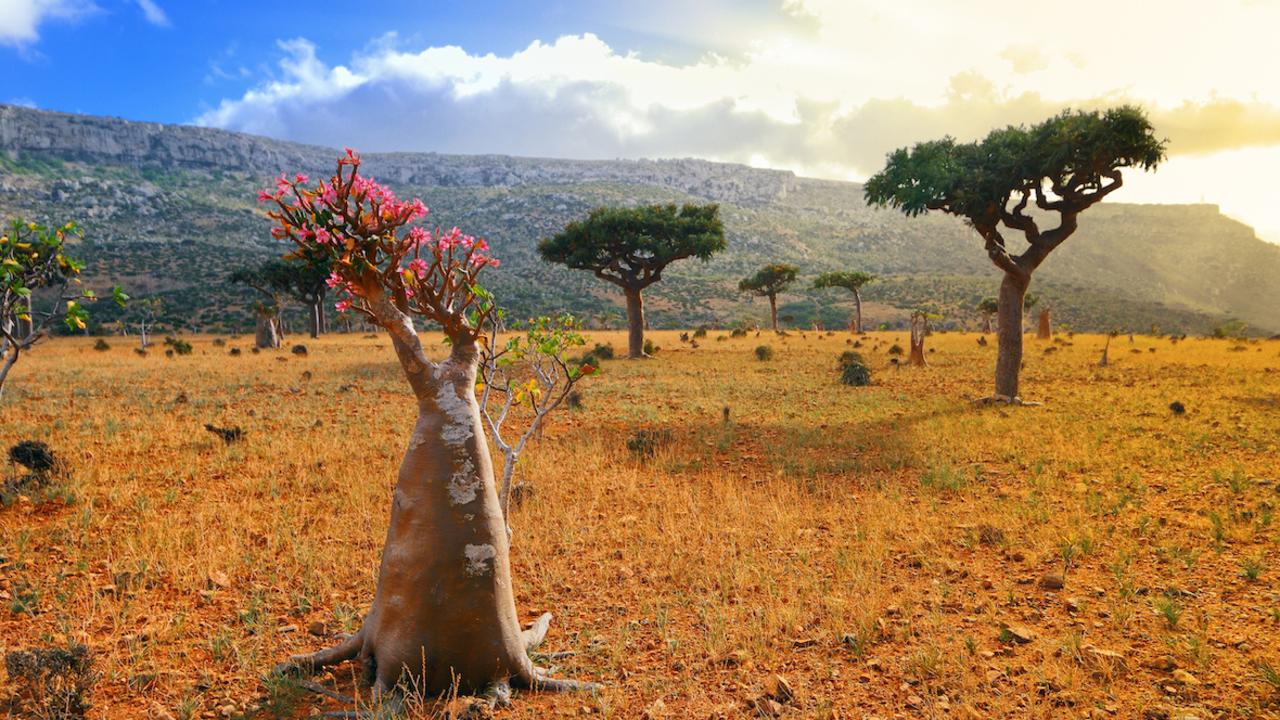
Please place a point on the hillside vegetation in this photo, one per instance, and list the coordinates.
(141, 187)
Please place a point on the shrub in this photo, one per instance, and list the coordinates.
(178, 346)
(764, 353)
(738, 332)
(700, 332)
(101, 345)
(51, 683)
(896, 349)
(645, 442)
(650, 348)
(234, 351)
(853, 371)
(602, 351)
(299, 350)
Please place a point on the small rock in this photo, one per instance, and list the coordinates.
(1164, 663)
(777, 688)
(318, 629)
(1019, 633)
(1052, 581)
(1185, 677)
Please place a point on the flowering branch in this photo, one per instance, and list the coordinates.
(380, 264)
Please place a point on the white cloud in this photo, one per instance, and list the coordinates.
(153, 13)
(25, 102)
(860, 79)
(20, 20)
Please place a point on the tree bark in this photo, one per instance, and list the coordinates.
(1009, 356)
(986, 322)
(1045, 331)
(773, 311)
(10, 356)
(918, 332)
(635, 322)
(857, 311)
(26, 327)
(267, 332)
(314, 325)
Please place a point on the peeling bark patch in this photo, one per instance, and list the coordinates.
(457, 430)
(464, 484)
(480, 559)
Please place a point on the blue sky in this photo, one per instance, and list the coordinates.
(821, 87)
(109, 57)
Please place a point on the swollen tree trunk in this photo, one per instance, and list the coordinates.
(918, 332)
(1009, 357)
(444, 613)
(1045, 331)
(635, 323)
(267, 332)
(773, 311)
(857, 312)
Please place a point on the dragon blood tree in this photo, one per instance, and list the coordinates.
(851, 280)
(767, 283)
(444, 613)
(1061, 166)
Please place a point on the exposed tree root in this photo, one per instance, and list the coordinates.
(308, 664)
(1005, 400)
(319, 689)
(537, 632)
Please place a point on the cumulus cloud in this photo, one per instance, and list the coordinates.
(153, 13)
(20, 20)
(576, 97)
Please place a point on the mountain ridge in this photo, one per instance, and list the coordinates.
(138, 184)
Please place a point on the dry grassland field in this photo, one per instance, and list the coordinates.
(892, 551)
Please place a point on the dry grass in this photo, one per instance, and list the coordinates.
(877, 547)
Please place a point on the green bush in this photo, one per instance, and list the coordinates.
(764, 353)
(178, 346)
(853, 371)
(101, 345)
(650, 348)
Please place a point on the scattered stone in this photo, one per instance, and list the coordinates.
(318, 629)
(1184, 677)
(1164, 663)
(1177, 407)
(1052, 581)
(777, 688)
(1018, 633)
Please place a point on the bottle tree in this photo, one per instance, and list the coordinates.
(271, 280)
(851, 280)
(767, 282)
(630, 247)
(1062, 166)
(988, 306)
(443, 615)
(33, 259)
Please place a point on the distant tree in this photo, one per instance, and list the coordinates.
(1029, 303)
(306, 280)
(443, 618)
(630, 247)
(852, 281)
(919, 330)
(145, 313)
(1064, 165)
(33, 260)
(988, 306)
(273, 280)
(1044, 329)
(767, 282)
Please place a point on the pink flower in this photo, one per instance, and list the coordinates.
(264, 196)
(417, 237)
(323, 237)
(300, 178)
(342, 306)
(418, 267)
(334, 280)
(417, 210)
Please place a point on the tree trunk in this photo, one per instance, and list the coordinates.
(324, 316)
(635, 323)
(315, 320)
(986, 323)
(773, 311)
(857, 311)
(444, 613)
(1009, 356)
(10, 358)
(1045, 331)
(919, 329)
(267, 331)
